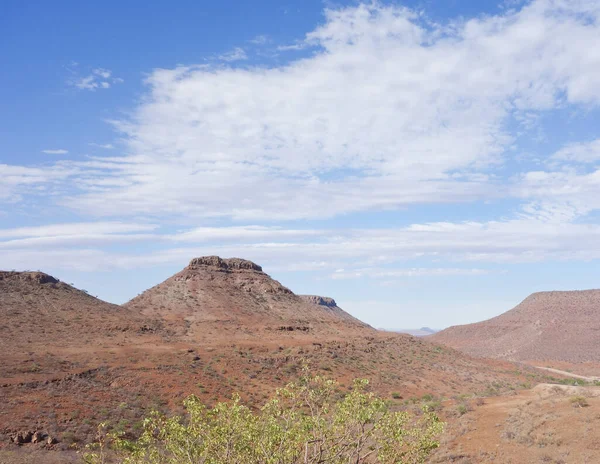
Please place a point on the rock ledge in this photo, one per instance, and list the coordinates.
(320, 300)
(232, 264)
(37, 277)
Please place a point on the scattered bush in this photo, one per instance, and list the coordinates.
(579, 401)
(434, 405)
(574, 382)
(463, 408)
(302, 423)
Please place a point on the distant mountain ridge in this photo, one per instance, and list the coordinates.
(556, 325)
(422, 332)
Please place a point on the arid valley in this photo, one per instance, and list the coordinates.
(300, 232)
(71, 361)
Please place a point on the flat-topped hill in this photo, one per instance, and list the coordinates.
(215, 297)
(553, 326)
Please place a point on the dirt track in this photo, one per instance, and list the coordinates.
(569, 374)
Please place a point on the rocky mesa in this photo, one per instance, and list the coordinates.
(215, 297)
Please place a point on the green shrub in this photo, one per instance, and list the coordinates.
(579, 401)
(463, 408)
(435, 405)
(302, 423)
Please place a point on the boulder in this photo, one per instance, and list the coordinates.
(22, 437)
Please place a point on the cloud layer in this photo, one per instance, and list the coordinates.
(380, 110)
(389, 110)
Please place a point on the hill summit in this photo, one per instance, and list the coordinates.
(225, 264)
(36, 308)
(560, 326)
(215, 297)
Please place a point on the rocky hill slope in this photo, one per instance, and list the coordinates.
(69, 361)
(214, 297)
(546, 326)
(330, 306)
(46, 325)
(37, 308)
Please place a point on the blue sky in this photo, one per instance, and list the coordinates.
(424, 163)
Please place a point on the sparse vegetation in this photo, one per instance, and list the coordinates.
(302, 423)
(579, 401)
(122, 365)
(462, 409)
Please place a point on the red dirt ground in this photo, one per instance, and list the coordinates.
(70, 361)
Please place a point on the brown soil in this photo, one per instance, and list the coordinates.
(546, 424)
(70, 361)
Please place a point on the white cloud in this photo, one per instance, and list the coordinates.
(97, 240)
(75, 235)
(82, 260)
(260, 40)
(86, 83)
(106, 146)
(237, 54)
(56, 152)
(358, 252)
(99, 78)
(76, 229)
(102, 73)
(579, 152)
(388, 111)
(375, 273)
(301, 45)
(242, 233)
(16, 181)
(560, 195)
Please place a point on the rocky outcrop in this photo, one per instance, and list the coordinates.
(235, 273)
(319, 300)
(34, 277)
(21, 438)
(27, 436)
(37, 437)
(231, 264)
